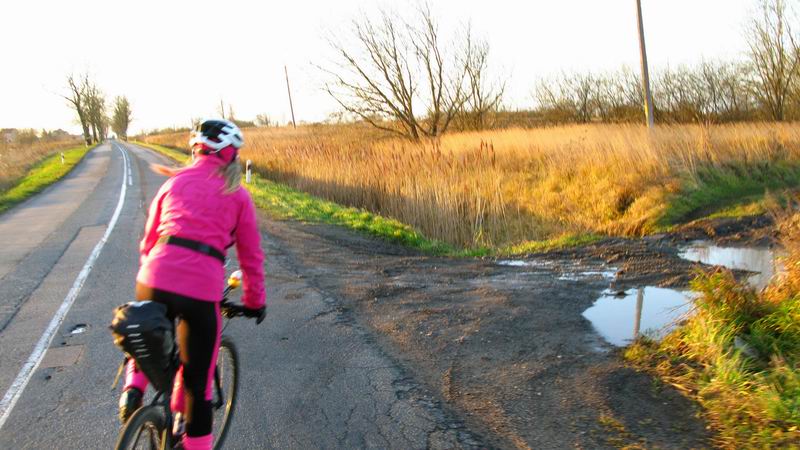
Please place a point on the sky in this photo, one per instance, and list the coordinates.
(175, 60)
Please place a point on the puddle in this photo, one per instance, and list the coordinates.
(753, 259)
(578, 276)
(572, 272)
(651, 311)
(518, 263)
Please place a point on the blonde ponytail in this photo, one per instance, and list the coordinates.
(232, 173)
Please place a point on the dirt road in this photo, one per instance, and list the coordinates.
(505, 348)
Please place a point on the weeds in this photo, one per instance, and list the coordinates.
(17, 160)
(498, 189)
(738, 355)
(40, 176)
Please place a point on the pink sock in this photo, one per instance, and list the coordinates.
(198, 442)
(177, 402)
(134, 377)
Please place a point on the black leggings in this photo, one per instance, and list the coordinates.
(197, 333)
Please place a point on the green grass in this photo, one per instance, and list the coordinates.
(547, 245)
(286, 203)
(739, 357)
(734, 190)
(171, 153)
(42, 175)
(283, 202)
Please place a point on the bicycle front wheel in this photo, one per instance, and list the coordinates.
(226, 386)
(144, 430)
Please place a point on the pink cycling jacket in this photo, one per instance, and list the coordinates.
(192, 205)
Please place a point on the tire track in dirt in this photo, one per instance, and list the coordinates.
(506, 348)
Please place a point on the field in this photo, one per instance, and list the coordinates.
(512, 188)
(17, 160)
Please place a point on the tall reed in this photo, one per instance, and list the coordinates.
(496, 188)
(16, 160)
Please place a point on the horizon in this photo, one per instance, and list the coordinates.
(156, 70)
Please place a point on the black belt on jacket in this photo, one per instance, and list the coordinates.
(192, 245)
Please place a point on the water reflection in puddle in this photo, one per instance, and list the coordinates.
(519, 263)
(649, 310)
(753, 259)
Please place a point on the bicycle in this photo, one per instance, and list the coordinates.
(152, 424)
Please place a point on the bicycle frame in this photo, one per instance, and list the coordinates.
(163, 398)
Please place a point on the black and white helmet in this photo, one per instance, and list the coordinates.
(216, 134)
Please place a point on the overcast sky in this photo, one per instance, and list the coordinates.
(174, 59)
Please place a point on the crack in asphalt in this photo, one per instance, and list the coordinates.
(390, 415)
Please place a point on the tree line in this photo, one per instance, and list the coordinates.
(406, 76)
(90, 105)
(764, 85)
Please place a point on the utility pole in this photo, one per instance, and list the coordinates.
(289, 90)
(648, 97)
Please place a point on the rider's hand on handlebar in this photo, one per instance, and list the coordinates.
(259, 313)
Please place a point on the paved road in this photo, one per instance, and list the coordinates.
(312, 377)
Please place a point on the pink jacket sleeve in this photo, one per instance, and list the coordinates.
(151, 227)
(251, 257)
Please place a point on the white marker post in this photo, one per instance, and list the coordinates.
(62, 157)
(249, 172)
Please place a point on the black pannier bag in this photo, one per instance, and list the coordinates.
(144, 332)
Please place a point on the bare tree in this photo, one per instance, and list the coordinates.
(77, 99)
(773, 54)
(121, 117)
(570, 97)
(263, 120)
(484, 96)
(400, 76)
(96, 112)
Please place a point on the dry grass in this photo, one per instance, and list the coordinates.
(498, 188)
(16, 161)
(739, 353)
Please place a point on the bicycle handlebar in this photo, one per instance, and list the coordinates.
(230, 310)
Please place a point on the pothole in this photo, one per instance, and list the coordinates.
(78, 329)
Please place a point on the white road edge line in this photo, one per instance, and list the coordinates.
(21, 381)
(130, 177)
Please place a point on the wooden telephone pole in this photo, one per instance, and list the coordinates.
(648, 96)
(289, 90)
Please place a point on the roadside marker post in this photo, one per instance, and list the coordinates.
(62, 157)
(249, 172)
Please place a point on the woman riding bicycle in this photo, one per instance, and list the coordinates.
(198, 213)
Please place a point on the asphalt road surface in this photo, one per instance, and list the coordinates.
(69, 256)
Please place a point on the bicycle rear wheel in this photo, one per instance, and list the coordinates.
(226, 387)
(144, 430)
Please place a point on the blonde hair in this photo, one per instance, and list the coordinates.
(231, 173)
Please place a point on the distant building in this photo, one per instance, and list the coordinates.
(60, 134)
(8, 135)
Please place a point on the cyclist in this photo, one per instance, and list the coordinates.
(198, 213)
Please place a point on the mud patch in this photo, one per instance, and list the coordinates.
(504, 345)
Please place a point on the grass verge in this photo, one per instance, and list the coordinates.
(284, 202)
(734, 190)
(42, 175)
(738, 356)
(174, 154)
